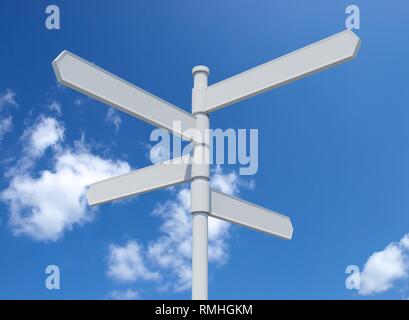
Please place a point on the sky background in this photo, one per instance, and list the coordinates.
(333, 152)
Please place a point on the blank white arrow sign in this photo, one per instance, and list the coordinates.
(249, 215)
(316, 57)
(81, 75)
(150, 178)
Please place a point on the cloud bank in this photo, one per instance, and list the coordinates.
(44, 205)
(169, 256)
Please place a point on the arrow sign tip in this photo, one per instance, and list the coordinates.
(249, 215)
(354, 42)
(56, 65)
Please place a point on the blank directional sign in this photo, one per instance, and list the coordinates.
(150, 178)
(81, 75)
(316, 57)
(249, 215)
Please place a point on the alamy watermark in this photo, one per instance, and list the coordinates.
(223, 146)
(353, 20)
(353, 280)
(52, 281)
(53, 19)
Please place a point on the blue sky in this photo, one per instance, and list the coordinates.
(333, 151)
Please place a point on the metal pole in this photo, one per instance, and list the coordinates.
(200, 191)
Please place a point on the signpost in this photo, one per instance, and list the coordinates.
(97, 83)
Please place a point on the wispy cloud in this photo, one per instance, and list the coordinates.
(127, 264)
(8, 98)
(6, 125)
(128, 294)
(55, 106)
(113, 118)
(78, 101)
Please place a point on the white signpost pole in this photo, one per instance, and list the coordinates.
(200, 189)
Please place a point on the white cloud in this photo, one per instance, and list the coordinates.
(124, 295)
(229, 183)
(8, 98)
(46, 132)
(45, 205)
(170, 254)
(6, 125)
(113, 118)
(384, 268)
(126, 263)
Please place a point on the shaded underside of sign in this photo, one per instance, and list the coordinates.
(150, 178)
(249, 215)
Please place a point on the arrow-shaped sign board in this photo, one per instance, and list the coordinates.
(161, 175)
(249, 215)
(316, 57)
(81, 75)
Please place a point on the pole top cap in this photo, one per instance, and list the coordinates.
(200, 68)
